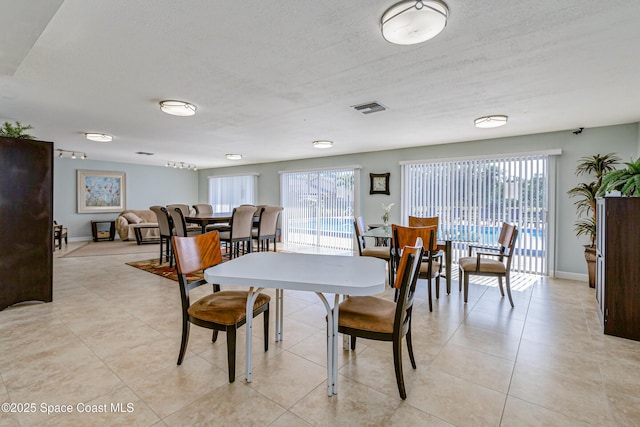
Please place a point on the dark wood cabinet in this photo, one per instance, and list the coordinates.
(26, 209)
(618, 265)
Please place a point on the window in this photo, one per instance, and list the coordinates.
(318, 207)
(473, 197)
(228, 192)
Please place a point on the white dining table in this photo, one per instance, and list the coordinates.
(331, 274)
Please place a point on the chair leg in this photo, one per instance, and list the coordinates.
(353, 342)
(214, 335)
(466, 286)
(410, 348)
(509, 290)
(161, 244)
(185, 339)
(231, 352)
(437, 287)
(459, 280)
(429, 294)
(266, 329)
(500, 285)
(397, 363)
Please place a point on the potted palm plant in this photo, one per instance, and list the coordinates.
(626, 181)
(15, 131)
(596, 166)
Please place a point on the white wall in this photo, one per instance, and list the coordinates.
(622, 140)
(145, 186)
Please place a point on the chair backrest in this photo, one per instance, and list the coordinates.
(406, 279)
(360, 229)
(268, 224)
(507, 241)
(183, 208)
(164, 220)
(193, 254)
(242, 221)
(406, 236)
(179, 225)
(203, 209)
(417, 221)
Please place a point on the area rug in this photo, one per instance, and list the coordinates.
(116, 247)
(152, 266)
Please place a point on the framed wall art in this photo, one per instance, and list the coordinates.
(101, 191)
(379, 183)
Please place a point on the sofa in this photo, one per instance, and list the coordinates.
(130, 218)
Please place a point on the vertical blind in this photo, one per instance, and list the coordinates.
(472, 198)
(318, 207)
(227, 192)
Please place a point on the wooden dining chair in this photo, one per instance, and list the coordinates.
(428, 221)
(220, 310)
(494, 261)
(432, 261)
(379, 319)
(382, 252)
(179, 225)
(59, 233)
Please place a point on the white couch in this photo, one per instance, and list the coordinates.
(130, 218)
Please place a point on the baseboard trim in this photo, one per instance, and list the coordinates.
(572, 276)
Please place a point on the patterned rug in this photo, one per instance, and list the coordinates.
(152, 266)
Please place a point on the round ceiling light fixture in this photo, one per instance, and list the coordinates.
(493, 121)
(98, 137)
(322, 144)
(412, 22)
(234, 156)
(178, 108)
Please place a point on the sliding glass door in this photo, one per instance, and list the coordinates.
(318, 207)
(473, 197)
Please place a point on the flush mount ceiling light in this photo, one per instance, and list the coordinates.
(412, 22)
(98, 137)
(322, 144)
(234, 156)
(178, 108)
(494, 121)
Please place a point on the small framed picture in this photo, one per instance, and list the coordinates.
(379, 183)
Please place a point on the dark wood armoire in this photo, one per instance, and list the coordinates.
(618, 265)
(26, 213)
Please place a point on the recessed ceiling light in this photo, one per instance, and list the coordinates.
(178, 108)
(322, 144)
(234, 156)
(411, 22)
(98, 137)
(490, 121)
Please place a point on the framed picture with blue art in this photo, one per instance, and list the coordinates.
(101, 191)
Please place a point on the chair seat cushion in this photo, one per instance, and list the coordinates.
(367, 313)
(424, 268)
(225, 307)
(487, 265)
(377, 252)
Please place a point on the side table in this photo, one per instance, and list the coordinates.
(103, 230)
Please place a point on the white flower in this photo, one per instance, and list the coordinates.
(387, 208)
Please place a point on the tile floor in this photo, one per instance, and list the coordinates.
(112, 335)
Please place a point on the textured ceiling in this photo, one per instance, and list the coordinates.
(268, 78)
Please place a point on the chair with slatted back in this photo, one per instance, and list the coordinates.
(179, 225)
(430, 267)
(185, 213)
(220, 310)
(493, 261)
(379, 319)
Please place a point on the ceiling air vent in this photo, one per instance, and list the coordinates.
(369, 107)
(144, 153)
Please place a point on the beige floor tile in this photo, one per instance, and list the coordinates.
(582, 399)
(407, 415)
(626, 409)
(475, 366)
(355, 404)
(232, 405)
(289, 420)
(456, 401)
(524, 414)
(490, 342)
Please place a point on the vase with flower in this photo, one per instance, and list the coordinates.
(385, 216)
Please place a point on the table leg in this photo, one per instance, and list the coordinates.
(279, 314)
(331, 367)
(336, 305)
(251, 299)
(448, 260)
